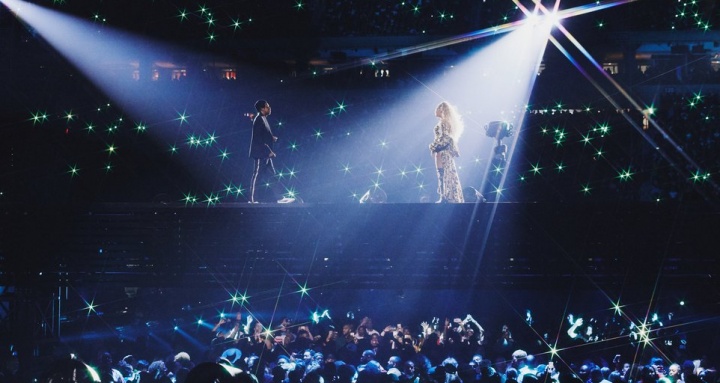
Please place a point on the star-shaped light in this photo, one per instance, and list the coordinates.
(699, 176)
(239, 298)
(604, 129)
(140, 128)
(229, 188)
(210, 139)
(698, 97)
(111, 149)
(586, 139)
(211, 199)
(182, 117)
(379, 171)
(402, 173)
(74, 170)
(190, 199)
(90, 307)
(303, 290)
(560, 136)
(38, 117)
(625, 174)
(535, 168)
(340, 106)
(617, 308)
(292, 173)
(291, 192)
(182, 15)
(497, 169)
(193, 141)
(585, 189)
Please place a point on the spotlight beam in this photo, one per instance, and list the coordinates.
(108, 57)
(504, 28)
(402, 52)
(570, 12)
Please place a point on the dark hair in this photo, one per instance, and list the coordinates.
(450, 368)
(259, 104)
(646, 374)
(345, 373)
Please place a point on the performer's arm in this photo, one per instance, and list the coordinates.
(271, 154)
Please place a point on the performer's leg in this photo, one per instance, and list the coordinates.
(276, 185)
(253, 181)
(269, 168)
(441, 185)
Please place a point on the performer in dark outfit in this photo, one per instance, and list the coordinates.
(261, 150)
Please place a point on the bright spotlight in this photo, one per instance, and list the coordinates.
(533, 19)
(551, 19)
(545, 20)
(116, 61)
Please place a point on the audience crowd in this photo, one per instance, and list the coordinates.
(450, 351)
(671, 152)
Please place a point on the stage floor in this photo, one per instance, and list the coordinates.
(359, 246)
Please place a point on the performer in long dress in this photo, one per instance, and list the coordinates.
(444, 150)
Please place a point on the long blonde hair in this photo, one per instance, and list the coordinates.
(450, 115)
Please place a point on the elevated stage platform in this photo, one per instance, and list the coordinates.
(363, 246)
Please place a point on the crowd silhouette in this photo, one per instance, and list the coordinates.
(450, 350)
